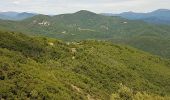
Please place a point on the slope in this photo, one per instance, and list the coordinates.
(85, 25)
(44, 68)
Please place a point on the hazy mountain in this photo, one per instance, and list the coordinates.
(47, 69)
(24, 15)
(15, 15)
(10, 13)
(85, 25)
(3, 16)
(160, 16)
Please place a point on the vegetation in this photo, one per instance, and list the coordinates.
(45, 68)
(85, 25)
(125, 93)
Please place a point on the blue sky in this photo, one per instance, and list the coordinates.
(70, 6)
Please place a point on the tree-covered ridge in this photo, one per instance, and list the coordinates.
(160, 16)
(85, 25)
(44, 68)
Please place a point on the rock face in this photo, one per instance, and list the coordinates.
(50, 43)
(44, 23)
(73, 50)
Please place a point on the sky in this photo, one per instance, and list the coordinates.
(70, 6)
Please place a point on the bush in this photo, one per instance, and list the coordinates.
(125, 93)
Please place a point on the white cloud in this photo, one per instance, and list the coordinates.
(69, 6)
(16, 2)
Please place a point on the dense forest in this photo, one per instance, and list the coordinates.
(46, 68)
(86, 25)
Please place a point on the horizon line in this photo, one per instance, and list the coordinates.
(85, 10)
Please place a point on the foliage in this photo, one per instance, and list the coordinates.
(85, 25)
(45, 68)
(125, 93)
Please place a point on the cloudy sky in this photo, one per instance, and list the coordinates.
(69, 6)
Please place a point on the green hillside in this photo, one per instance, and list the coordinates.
(85, 25)
(46, 68)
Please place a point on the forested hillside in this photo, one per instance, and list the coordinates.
(85, 25)
(46, 68)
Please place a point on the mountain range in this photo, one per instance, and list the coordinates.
(85, 25)
(83, 56)
(160, 16)
(15, 15)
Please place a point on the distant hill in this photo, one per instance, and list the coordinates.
(85, 25)
(15, 15)
(41, 68)
(160, 16)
